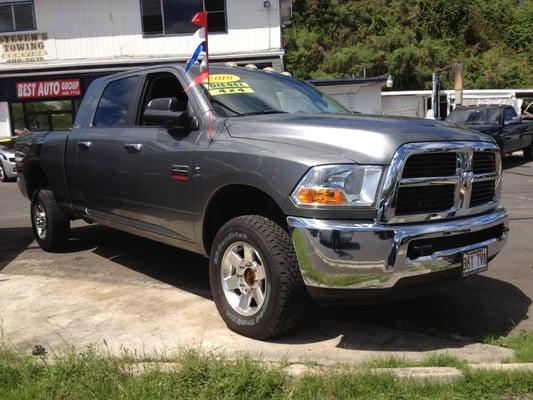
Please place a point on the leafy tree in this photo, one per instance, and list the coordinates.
(410, 39)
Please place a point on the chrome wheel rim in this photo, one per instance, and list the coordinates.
(244, 279)
(39, 218)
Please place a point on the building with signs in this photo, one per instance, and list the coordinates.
(51, 50)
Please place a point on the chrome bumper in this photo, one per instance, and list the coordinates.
(361, 255)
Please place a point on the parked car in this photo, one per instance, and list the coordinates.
(502, 123)
(7, 160)
(290, 195)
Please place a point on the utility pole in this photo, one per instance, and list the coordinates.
(458, 85)
(435, 97)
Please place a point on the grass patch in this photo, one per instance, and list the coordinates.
(521, 343)
(91, 375)
(433, 360)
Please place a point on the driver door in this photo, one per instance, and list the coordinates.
(158, 190)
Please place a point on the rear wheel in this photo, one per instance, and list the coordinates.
(51, 227)
(255, 279)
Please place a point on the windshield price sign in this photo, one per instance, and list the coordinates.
(48, 89)
(226, 84)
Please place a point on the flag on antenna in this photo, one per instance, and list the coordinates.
(202, 48)
(199, 37)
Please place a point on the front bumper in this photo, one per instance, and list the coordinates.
(341, 255)
(11, 170)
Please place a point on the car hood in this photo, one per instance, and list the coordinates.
(486, 129)
(8, 153)
(364, 139)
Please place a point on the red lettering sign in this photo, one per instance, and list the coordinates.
(48, 89)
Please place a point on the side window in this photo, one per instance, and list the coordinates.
(510, 113)
(163, 85)
(113, 106)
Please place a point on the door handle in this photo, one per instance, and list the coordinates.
(133, 147)
(85, 145)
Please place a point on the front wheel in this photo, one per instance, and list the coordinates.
(528, 152)
(3, 173)
(51, 227)
(255, 279)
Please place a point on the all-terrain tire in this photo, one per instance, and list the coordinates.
(286, 298)
(56, 231)
(528, 152)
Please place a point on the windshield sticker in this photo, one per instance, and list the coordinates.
(224, 78)
(237, 87)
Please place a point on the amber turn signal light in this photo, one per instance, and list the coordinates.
(321, 196)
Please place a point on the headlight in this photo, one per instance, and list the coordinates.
(338, 186)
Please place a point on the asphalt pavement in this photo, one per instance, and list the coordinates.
(114, 287)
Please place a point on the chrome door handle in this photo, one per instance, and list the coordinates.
(85, 145)
(133, 147)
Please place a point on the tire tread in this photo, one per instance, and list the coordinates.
(293, 293)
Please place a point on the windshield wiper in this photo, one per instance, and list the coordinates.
(263, 112)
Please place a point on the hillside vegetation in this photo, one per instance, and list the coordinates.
(412, 38)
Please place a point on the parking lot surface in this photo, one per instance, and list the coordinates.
(119, 291)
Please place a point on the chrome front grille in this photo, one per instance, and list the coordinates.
(429, 181)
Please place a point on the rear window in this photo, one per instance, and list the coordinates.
(113, 106)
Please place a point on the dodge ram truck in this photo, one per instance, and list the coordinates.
(510, 131)
(291, 197)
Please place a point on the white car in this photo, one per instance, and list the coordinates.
(7, 160)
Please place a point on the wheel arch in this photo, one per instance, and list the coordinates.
(35, 178)
(235, 200)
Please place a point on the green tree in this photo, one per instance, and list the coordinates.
(410, 39)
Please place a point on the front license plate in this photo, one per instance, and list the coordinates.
(475, 261)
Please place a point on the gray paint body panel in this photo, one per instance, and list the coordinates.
(269, 152)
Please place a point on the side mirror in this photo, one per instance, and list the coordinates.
(164, 111)
(515, 120)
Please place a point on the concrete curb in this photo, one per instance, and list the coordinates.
(502, 367)
(435, 374)
(297, 370)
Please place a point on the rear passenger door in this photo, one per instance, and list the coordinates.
(158, 168)
(100, 149)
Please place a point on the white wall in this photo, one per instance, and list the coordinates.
(5, 127)
(109, 29)
(404, 105)
(364, 98)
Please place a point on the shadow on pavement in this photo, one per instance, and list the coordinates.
(474, 308)
(510, 161)
(13, 241)
(181, 269)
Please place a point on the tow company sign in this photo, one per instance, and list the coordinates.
(48, 89)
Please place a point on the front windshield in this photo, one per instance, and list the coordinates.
(242, 92)
(476, 116)
(7, 144)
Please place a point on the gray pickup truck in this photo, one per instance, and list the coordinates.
(290, 196)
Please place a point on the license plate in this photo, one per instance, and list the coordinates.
(475, 261)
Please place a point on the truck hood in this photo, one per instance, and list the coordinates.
(486, 129)
(364, 139)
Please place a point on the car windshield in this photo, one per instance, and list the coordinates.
(7, 144)
(240, 92)
(475, 116)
